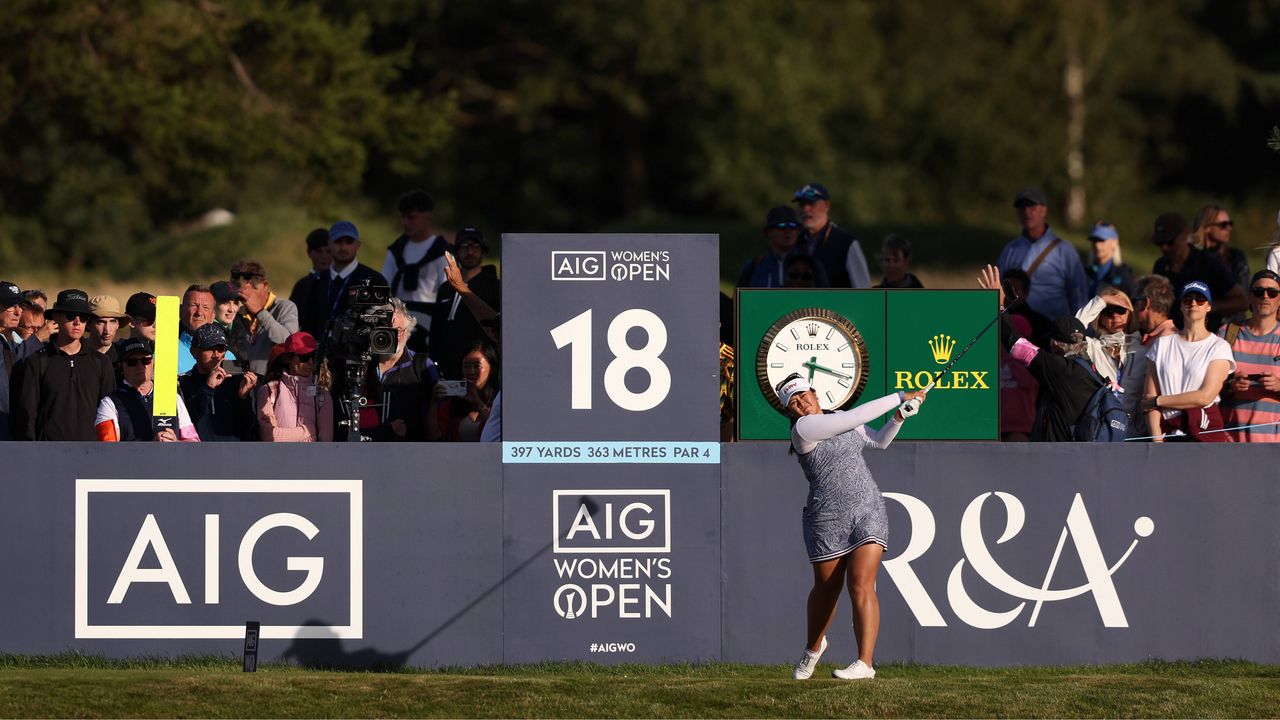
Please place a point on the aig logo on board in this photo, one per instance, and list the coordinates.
(196, 558)
(612, 548)
(617, 265)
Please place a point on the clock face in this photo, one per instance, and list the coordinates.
(824, 347)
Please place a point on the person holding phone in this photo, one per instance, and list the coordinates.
(452, 418)
(220, 403)
(1252, 400)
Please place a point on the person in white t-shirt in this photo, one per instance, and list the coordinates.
(1273, 252)
(1185, 373)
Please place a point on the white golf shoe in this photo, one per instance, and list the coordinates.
(857, 671)
(809, 661)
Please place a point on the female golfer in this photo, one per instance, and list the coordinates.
(845, 527)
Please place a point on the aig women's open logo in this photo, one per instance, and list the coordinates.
(612, 548)
(197, 558)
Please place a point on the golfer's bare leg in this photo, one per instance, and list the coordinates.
(863, 566)
(827, 581)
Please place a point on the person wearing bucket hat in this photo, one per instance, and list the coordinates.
(55, 392)
(264, 320)
(1185, 374)
(220, 402)
(835, 248)
(1066, 377)
(108, 318)
(1182, 262)
(781, 230)
(293, 406)
(1252, 402)
(1058, 285)
(846, 530)
(126, 414)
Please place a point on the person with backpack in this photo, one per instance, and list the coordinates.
(1185, 374)
(1075, 402)
(1115, 347)
(414, 265)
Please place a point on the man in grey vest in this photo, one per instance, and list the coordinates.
(835, 248)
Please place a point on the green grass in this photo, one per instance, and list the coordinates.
(83, 686)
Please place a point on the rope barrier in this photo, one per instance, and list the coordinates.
(1179, 433)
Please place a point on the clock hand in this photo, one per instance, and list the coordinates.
(813, 365)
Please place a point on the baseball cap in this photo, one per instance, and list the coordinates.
(208, 336)
(1065, 327)
(343, 229)
(317, 239)
(1195, 286)
(10, 295)
(472, 234)
(129, 346)
(1264, 273)
(141, 305)
(1169, 227)
(223, 292)
(1029, 196)
(73, 301)
(1104, 231)
(791, 388)
(300, 343)
(781, 216)
(811, 192)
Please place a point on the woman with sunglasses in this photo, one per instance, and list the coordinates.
(1114, 346)
(1253, 391)
(293, 406)
(1212, 226)
(1185, 373)
(846, 530)
(126, 414)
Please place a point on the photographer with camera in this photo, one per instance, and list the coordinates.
(219, 399)
(397, 386)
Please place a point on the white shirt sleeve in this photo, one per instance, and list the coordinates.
(813, 429)
(1273, 260)
(856, 265)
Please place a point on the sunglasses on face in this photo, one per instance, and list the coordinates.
(1265, 292)
(216, 348)
(800, 276)
(1115, 310)
(135, 362)
(345, 241)
(785, 226)
(76, 317)
(1195, 300)
(307, 358)
(246, 276)
(1223, 225)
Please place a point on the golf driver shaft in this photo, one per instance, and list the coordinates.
(956, 359)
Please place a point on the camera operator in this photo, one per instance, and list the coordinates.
(398, 386)
(220, 402)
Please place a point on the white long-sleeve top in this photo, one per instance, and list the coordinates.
(813, 429)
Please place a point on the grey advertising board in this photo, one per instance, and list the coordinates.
(1024, 553)
(349, 555)
(614, 337)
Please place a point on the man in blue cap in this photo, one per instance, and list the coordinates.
(831, 245)
(329, 295)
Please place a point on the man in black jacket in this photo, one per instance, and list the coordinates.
(57, 389)
(220, 403)
(321, 259)
(330, 296)
(453, 325)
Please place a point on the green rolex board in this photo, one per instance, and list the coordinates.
(909, 336)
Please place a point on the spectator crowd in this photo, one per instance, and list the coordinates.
(1190, 350)
(255, 365)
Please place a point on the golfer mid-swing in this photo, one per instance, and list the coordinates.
(845, 526)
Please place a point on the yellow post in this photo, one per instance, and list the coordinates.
(165, 402)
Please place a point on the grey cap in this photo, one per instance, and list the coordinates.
(1029, 196)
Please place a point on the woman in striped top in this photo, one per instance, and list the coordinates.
(1254, 397)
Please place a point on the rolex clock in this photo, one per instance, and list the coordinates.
(824, 347)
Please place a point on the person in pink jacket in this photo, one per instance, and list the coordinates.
(292, 406)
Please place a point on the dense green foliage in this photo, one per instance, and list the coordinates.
(122, 121)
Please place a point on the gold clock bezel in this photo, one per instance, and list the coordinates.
(813, 313)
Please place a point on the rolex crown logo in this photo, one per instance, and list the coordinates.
(812, 328)
(942, 345)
